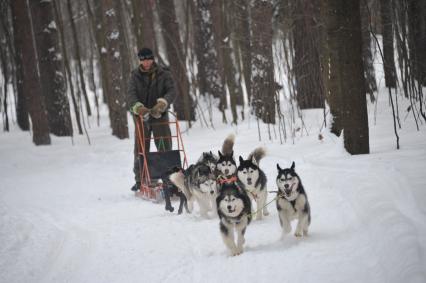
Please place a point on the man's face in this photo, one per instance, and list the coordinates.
(146, 63)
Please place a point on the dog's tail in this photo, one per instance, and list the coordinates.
(228, 145)
(257, 154)
(178, 179)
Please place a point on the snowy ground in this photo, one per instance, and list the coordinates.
(67, 214)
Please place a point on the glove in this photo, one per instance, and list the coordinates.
(142, 110)
(159, 108)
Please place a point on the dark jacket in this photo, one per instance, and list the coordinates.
(147, 87)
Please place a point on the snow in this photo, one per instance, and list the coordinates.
(52, 25)
(67, 214)
(114, 35)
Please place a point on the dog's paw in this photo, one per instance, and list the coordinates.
(236, 252)
(287, 229)
(298, 234)
(265, 213)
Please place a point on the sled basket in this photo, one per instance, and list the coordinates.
(154, 165)
(161, 161)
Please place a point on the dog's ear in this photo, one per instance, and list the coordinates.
(241, 159)
(293, 166)
(279, 168)
(211, 153)
(232, 154)
(220, 154)
(253, 160)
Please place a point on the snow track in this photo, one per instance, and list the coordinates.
(67, 215)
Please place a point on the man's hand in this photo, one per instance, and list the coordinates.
(158, 108)
(142, 110)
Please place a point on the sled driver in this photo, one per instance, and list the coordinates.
(150, 92)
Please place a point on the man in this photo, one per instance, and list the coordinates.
(151, 91)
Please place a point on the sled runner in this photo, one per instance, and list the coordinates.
(154, 165)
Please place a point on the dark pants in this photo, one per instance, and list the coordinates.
(162, 139)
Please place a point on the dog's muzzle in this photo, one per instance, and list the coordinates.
(230, 210)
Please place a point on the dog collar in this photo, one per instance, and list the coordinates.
(223, 179)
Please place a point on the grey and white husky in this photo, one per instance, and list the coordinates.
(292, 201)
(198, 183)
(210, 159)
(226, 165)
(234, 210)
(253, 180)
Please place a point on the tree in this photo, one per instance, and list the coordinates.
(184, 104)
(387, 38)
(307, 67)
(115, 79)
(417, 38)
(242, 30)
(51, 65)
(369, 72)
(26, 50)
(209, 78)
(143, 24)
(262, 72)
(349, 100)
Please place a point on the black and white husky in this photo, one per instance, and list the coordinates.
(226, 165)
(253, 180)
(234, 210)
(198, 183)
(292, 201)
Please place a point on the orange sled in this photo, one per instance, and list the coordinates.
(154, 165)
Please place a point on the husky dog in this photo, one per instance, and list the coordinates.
(234, 210)
(226, 165)
(292, 201)
(209, 159)
(253, 180)
(170, 189)
(198, 183)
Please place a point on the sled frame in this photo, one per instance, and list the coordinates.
(151, 189)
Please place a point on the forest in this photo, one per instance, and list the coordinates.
(64, 61)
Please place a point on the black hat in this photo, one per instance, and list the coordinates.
(145, 54)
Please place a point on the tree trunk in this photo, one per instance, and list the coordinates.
(67, 66)
(5, 73)
(242, 29)
(417, 38)
(334, 94)
(98, 26)
(368, 60)
(356, 136)
(51, 65)
(218, 35)
(231, 62)
(345, 34)
(387, 38)
(263, 84)
(143, 24)
(21, 106)
(307, 67)
(78, 58)
(184, 104)
(209, 78)
(26, 50)
(114, 50)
